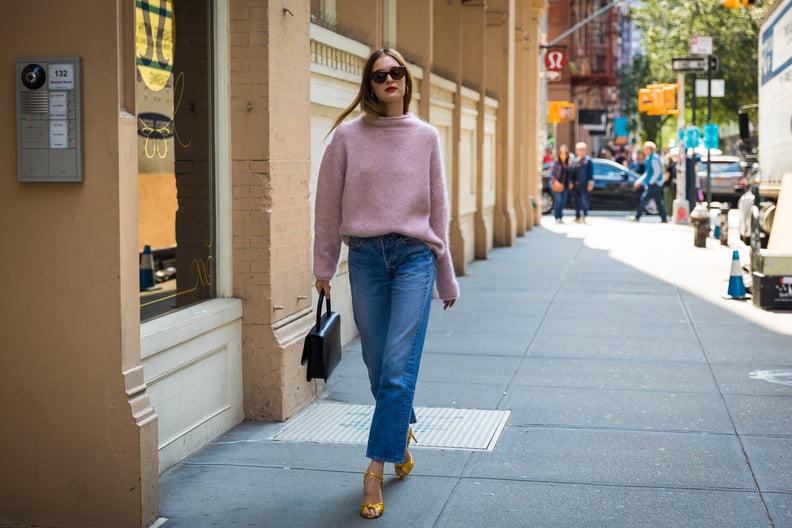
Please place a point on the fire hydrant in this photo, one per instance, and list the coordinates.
(700, 219)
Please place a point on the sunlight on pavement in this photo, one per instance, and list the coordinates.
(666, 252)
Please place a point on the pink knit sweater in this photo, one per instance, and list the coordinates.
(383, 175)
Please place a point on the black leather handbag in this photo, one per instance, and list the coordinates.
(322, 348)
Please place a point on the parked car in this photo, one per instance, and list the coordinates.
(727, 178)
(613, 188)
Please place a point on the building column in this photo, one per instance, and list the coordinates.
(414, 39)
(270, 101)
(522, 133)
(533, 114)
(448, 60)
(79, 440)
(527, 187)
(363, 21)
(500, 80)
(474, 24)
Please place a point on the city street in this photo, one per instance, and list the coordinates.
(638, 397)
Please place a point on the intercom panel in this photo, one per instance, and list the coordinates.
(49, 129)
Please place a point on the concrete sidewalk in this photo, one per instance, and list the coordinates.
(638, 398)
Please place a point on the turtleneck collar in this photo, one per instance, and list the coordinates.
(388, 121)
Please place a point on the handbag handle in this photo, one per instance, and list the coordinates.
(319, 307)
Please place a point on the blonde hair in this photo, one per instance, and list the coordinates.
(365, 97)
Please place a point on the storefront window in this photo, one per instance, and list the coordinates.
(175, 159)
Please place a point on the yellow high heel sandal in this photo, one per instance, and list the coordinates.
(378, 507)
(407, 466)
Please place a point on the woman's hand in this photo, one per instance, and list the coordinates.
(448, 303)
(323, 285)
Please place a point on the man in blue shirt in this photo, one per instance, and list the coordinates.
(653, 177)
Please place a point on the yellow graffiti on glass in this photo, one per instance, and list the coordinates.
(154, 41)
(156, 141)
(201, 269)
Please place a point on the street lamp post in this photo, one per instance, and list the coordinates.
(709, 120)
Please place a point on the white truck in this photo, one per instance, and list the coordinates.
(772, 267)
(775, 103)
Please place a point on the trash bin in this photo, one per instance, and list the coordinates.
(724, 224)
(700, 219)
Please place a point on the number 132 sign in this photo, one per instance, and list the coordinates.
(555, 60)
(61, 76)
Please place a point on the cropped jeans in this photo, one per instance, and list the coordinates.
(392, 277)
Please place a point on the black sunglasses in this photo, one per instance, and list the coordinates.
(396, 73)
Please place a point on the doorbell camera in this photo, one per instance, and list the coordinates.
(33, 76)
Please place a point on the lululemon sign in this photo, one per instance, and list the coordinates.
(555, 60)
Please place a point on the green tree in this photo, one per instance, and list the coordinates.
(667, 27)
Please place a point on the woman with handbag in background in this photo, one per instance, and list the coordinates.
(560, 182)
(381, 190)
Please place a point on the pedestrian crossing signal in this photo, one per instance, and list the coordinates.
(560, 112)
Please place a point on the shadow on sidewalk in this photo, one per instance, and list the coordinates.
(634, 402)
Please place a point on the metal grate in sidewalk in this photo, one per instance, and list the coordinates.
(463, 429)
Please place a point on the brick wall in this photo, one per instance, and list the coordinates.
(270, 104)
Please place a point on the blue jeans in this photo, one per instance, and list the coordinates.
(392, 277)
(652, 191)
(580, 195)
(559, 199)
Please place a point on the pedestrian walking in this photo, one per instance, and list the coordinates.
(582, 182)
(653, 177)
(381, 190)
(560, 182)
(669, 186)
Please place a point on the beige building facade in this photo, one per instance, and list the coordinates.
(164, 298)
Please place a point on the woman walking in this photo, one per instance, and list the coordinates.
(381, 190)
(560, 182)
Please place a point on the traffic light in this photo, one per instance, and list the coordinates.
(737, 4)
(646, 100)
(670, 99)
(560, 111)
(658, 99)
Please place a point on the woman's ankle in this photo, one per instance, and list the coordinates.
(376, 467)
